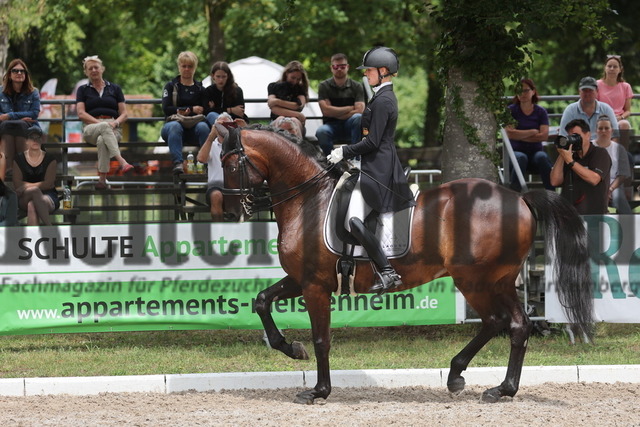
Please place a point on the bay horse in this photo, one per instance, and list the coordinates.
(473, 230)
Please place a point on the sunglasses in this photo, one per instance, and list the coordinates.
(339, 66)
(18, 71)
(613, 56)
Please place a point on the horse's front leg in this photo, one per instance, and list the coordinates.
(283, 289)
(318, 301)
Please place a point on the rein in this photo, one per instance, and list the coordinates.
(251, 201)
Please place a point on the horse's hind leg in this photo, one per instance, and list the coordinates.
(283, 289)
(519, 330)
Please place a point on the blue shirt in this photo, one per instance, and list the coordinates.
(537, 118)
(574, 111)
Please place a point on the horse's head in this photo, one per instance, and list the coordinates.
(243, 180)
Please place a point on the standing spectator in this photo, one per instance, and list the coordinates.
(224, 95)
(34, 178)
(613, 90)
(100, 105)
(341, 100)
(527, 137)
(588, 108)
(288, 96)
(583, 171)
(620, 170)
(19, 109)
(185, 96)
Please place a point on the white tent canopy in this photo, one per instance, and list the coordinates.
(253, 75)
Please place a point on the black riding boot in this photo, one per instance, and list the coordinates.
(387, 278)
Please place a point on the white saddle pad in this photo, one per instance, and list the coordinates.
(393, 230)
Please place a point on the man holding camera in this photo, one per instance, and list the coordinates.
(582, 169)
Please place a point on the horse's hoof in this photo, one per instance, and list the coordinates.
(299, 352)
(456, 386)
(306, 397)
(492, 395)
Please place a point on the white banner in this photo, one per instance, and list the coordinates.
(615, 270)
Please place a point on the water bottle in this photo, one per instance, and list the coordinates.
(66, 197)
(191, 166)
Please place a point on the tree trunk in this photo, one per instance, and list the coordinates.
(215, 13)
(460, 159)
(4, 35)
(432, 111)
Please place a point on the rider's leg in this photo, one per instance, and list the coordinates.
(387, 278)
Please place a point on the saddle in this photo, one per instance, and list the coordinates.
(393, 230)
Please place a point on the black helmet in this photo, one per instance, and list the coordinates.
(381, 56)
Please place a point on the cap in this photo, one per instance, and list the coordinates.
(588, 83)
(34, 132)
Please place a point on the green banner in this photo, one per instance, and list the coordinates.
(53, 282)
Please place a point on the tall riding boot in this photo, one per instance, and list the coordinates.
(387, 278)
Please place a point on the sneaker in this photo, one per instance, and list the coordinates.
(178, 169)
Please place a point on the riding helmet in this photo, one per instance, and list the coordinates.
(381, 56)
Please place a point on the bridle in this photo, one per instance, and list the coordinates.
(252, 198)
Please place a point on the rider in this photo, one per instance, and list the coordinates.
(382, 182)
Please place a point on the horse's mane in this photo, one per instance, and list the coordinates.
(309, 148)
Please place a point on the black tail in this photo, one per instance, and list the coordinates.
(565, 230)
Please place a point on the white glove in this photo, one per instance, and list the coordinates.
(335, 156)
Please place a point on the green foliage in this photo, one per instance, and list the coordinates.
(411, 92)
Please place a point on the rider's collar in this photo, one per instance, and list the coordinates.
(377, 88)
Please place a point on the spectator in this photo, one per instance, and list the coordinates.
(527, 137)
(34, 180)
(210, 154)
(19, 109)
(613, 90)
(224, 95)
(620, 170)
(288, 96)
(183, 95)
(588, 108)
(583, 171)
(290, 124)
(341, 100)
(100, 105)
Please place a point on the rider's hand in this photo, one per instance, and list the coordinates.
(335, 156)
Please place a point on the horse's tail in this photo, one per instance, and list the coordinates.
(565, 230)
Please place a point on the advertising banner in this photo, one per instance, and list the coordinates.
(174, 276)
(614, 245)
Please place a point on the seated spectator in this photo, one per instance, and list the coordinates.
(183, 95)
(34, 177)
(341, 100)
(19, 109)
(100, 105)
(527, 137)
(620, 170)
(582, 170)
(588, 108)
(288, 96)
(613, 90)
(224, 95)
(290, 124)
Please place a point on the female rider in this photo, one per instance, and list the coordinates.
(382, 182)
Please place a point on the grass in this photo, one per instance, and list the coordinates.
(173, 352)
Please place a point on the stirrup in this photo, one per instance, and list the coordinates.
(386, 281)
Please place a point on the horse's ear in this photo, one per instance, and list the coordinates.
(223, 132)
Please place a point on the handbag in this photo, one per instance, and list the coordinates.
(187, 122)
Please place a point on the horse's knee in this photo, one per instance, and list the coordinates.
(261, 304)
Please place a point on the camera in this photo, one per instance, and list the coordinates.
(571, 142)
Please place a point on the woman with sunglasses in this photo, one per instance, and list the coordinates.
(19, 109)
(615, 91)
